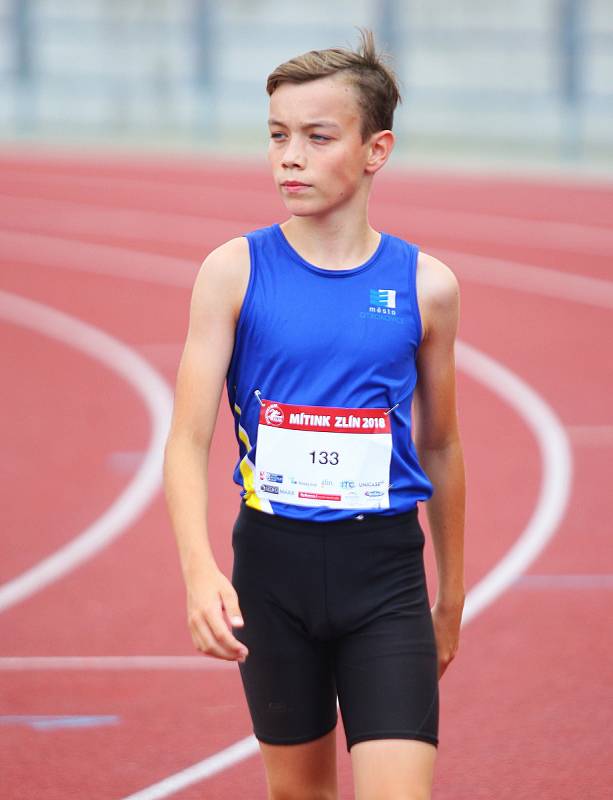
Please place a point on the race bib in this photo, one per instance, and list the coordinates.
(322, 456)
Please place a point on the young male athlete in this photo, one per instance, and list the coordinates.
(326, 332)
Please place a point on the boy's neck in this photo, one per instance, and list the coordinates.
(333, 242)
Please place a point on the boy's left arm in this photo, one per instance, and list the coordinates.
(439, 448)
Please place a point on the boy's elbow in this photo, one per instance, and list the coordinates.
(450, 442)
(179, 443)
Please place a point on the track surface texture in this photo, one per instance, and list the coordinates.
(97, 258)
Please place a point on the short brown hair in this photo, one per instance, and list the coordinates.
(375, 83)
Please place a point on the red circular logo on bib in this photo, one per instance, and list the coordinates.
(274, 415)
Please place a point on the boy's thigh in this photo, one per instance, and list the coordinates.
(387, 678)
(288, 676)
(385, 660)
(302, 771)
(398, 768)
(290, 692)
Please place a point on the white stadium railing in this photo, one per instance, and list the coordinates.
(535, 72)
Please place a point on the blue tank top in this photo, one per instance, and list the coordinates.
(344, 338)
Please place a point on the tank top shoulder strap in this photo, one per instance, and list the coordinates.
(260, 242)
(402, 260)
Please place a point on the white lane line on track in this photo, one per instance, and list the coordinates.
(224, 759)
(104, 259)
(74, 220)
(550, 507)
(121, 663)
(99, 259)
(157, 397)
(529, 278)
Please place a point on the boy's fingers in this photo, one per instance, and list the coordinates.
(206, 640)
(222, 633)
(230, 604)
(202, 637)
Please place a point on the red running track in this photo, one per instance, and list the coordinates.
(115, 242)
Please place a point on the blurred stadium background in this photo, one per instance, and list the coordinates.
(484, 81)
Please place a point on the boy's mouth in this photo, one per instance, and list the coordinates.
(295, 186)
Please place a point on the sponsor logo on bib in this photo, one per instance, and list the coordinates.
(273, 477)
(274, 415)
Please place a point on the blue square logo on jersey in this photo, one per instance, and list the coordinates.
(383, 298)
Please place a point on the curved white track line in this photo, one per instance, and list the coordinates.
(556, 458)
(551, 504)
(157, 397)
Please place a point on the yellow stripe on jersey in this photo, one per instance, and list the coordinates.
(247, 468)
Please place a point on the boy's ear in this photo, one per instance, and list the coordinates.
(379, 150)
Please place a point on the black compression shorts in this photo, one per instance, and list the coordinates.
(335, 608)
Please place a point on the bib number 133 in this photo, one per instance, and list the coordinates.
(324, 457)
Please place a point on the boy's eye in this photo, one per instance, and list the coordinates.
(276, 135)
(318, 137)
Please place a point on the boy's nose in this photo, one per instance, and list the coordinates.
(293, 157)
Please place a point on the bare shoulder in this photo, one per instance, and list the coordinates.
(438, 294)
(230, 256)
(223, 277)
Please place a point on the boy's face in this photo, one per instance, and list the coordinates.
(316, 152)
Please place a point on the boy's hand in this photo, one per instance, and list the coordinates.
(212, 611)
(446, 620)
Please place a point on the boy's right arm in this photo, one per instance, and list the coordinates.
(212, 603)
